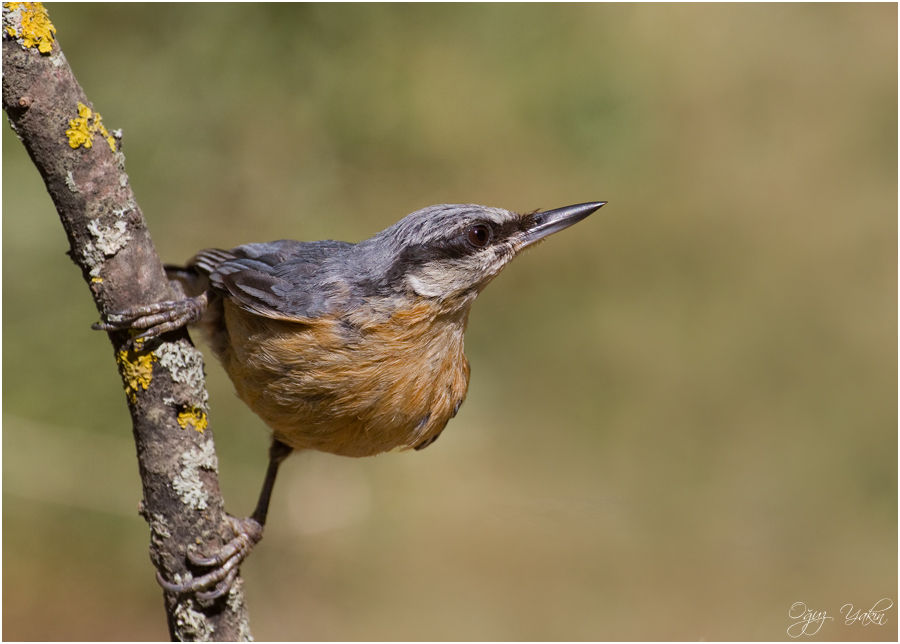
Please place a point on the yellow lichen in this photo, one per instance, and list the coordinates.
(137, 371)
(35, 28)
(79, 131)
(83, 128)
(194, 417)
(97, 280)
(106, 135)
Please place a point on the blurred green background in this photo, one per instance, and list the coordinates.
(682, 416)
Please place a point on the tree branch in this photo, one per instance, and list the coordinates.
(84, 170)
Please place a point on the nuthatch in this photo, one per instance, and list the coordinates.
(352, 349)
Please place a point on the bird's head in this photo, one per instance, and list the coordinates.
(450, 252)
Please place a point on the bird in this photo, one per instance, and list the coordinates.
(350, 349)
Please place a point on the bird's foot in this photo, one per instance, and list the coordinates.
(156, 318)
(224, 563)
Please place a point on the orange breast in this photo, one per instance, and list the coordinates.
(348, 389)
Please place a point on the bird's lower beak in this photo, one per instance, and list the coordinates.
(552, 221)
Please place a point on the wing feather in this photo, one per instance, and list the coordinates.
(283, 280)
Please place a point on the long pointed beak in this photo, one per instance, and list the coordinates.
(552, 221)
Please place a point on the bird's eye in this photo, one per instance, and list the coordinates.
(479, 235)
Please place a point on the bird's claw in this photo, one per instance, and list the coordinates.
(155, 319)
(224, 563)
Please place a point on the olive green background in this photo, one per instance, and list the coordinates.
(682, 416)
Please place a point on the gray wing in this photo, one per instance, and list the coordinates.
(285, 280)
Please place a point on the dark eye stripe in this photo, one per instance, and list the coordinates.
(459, 245)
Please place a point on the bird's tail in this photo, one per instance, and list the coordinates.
(192, 281)
(194, 278)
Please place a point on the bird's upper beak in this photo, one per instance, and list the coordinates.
(552, 221)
